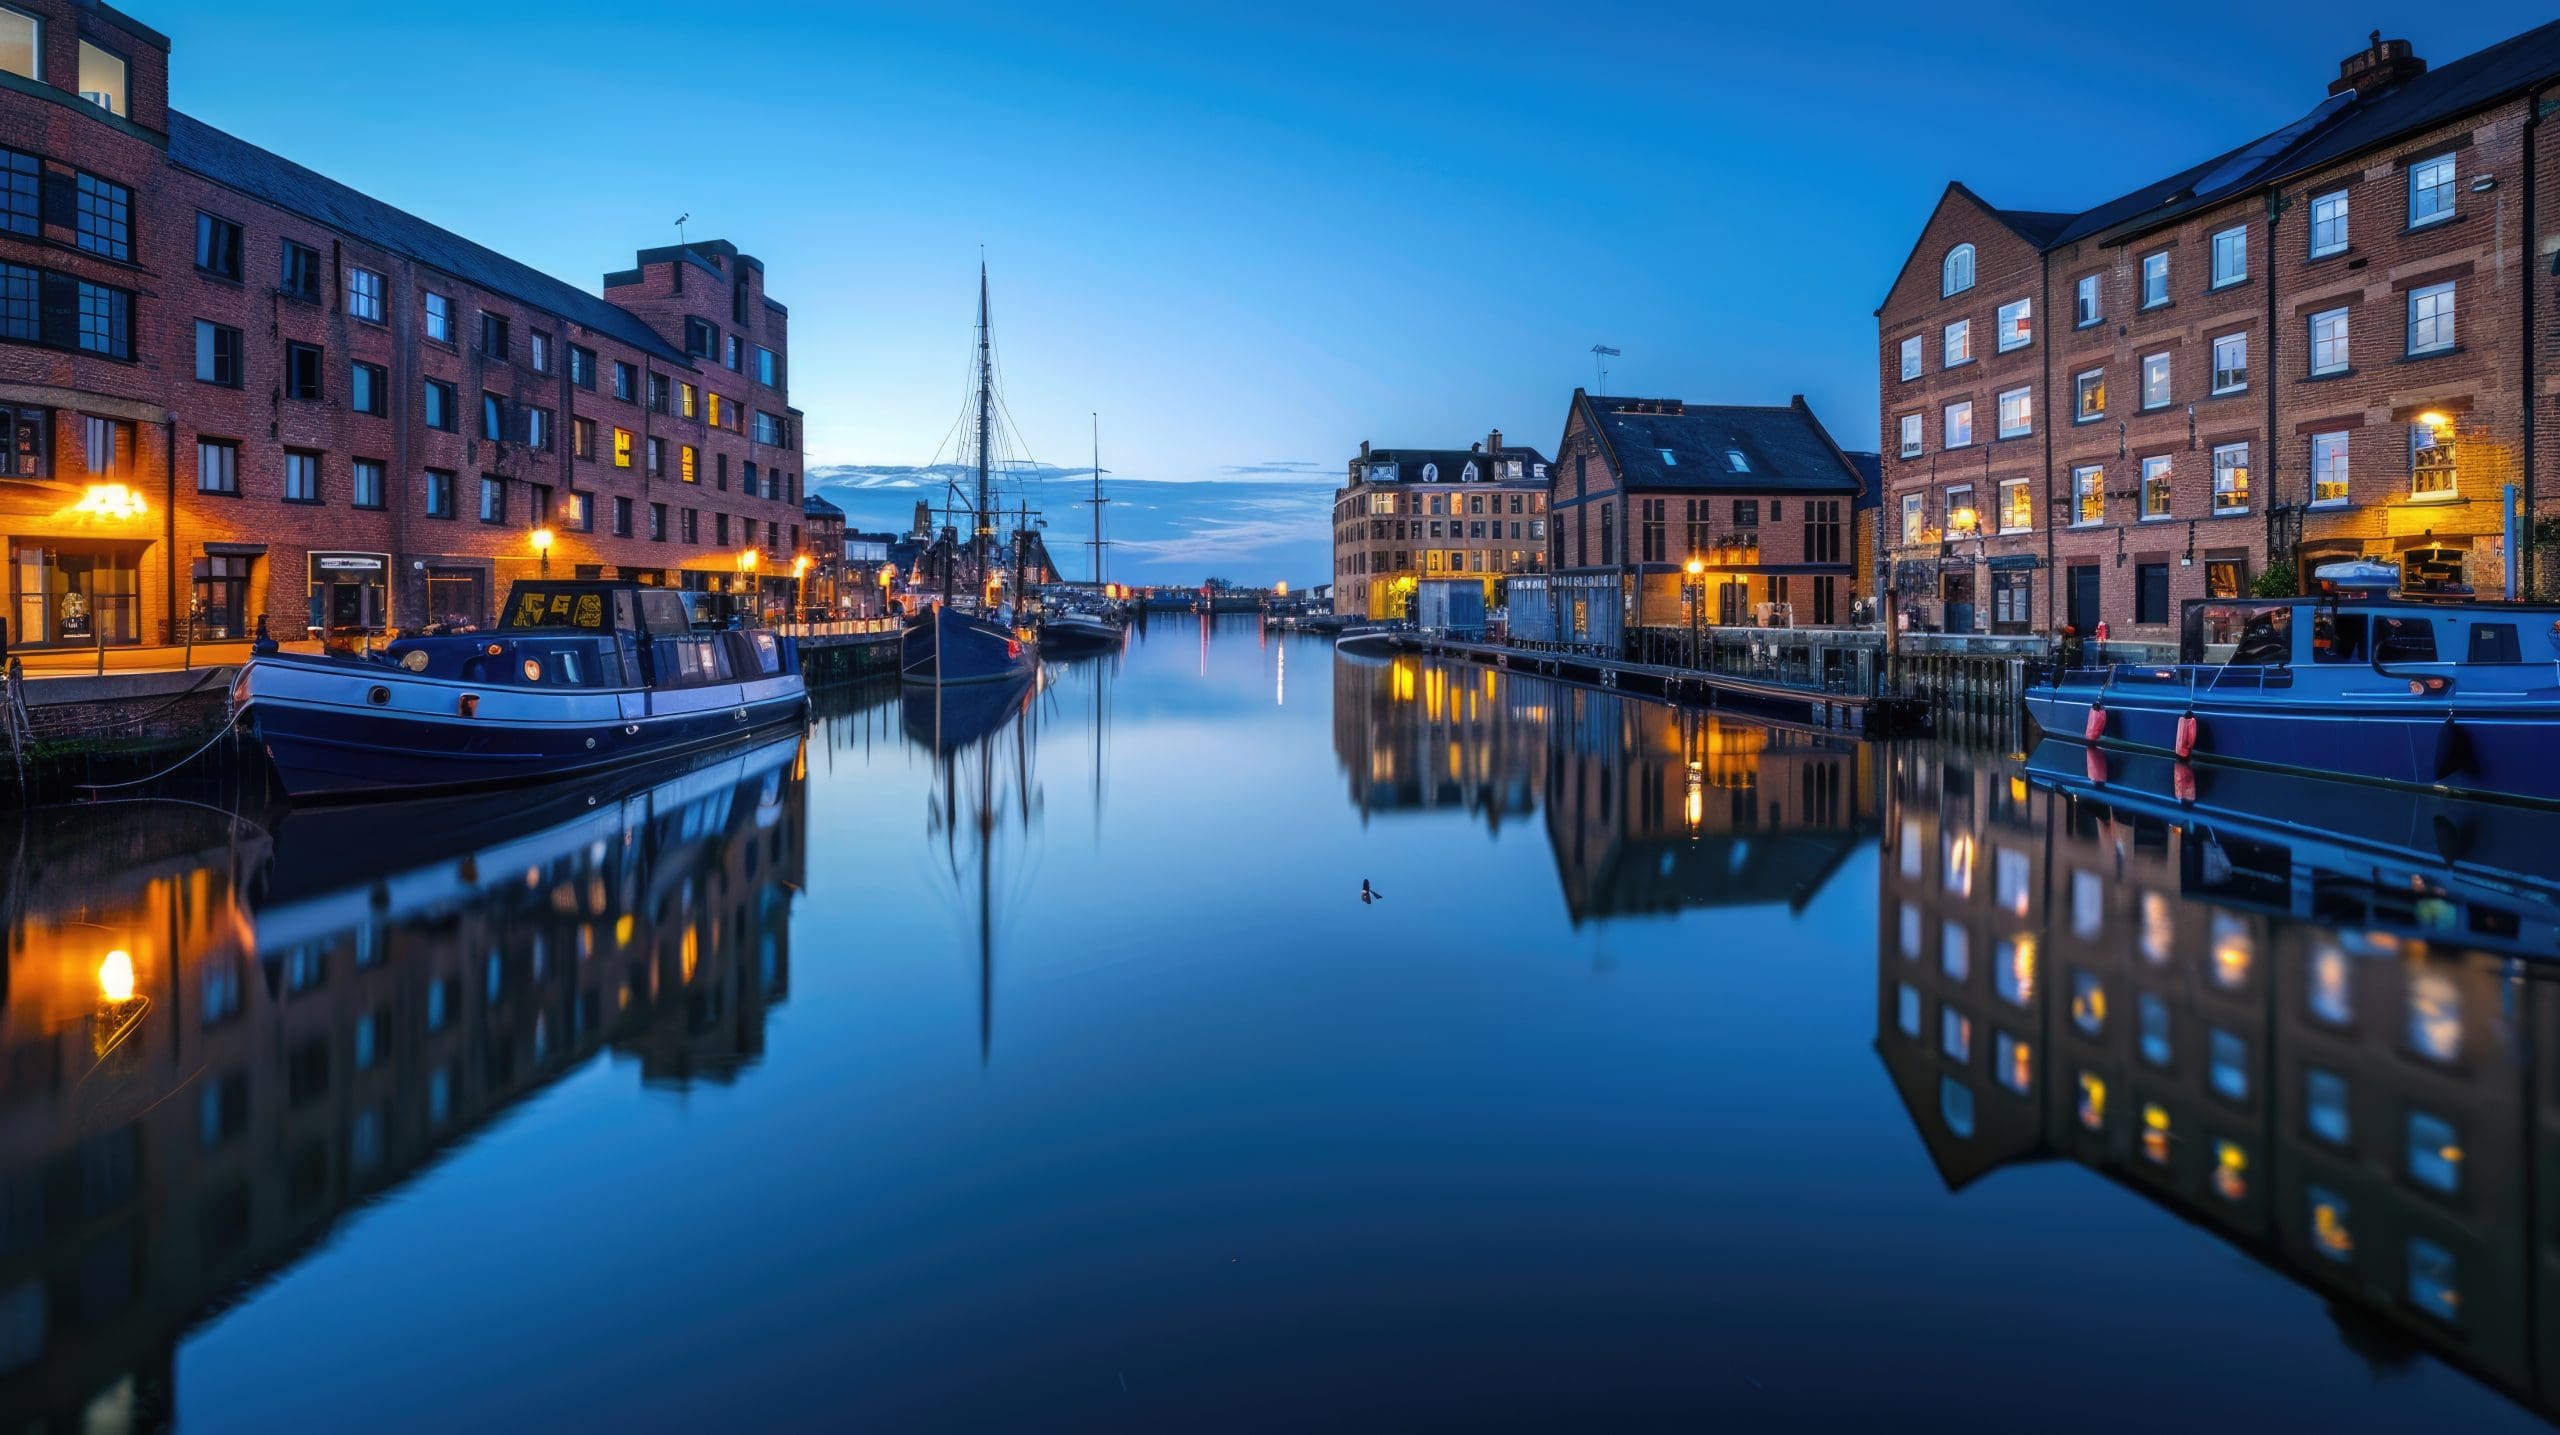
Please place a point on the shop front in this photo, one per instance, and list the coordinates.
(349, 594)
(74, 593)
(218, 605)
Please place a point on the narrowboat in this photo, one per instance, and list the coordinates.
(577, 676)
(2458, 696)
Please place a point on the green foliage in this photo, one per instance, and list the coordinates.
(2277, 581)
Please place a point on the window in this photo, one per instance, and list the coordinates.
(769, 367)
(2231, 478)
(688, 463)
(700, 338)
(368, 388)
(2328, 468)
(622, 518)
(21, 43)
(2017, 413)
(1956, 275)
(301, 476)
(626, 381)
(582, 367)
(2151, 593)
(2431, 191)
(1956, 344)
(2329, 223)
(1910, 435)
(2231, 363)
(2230, 256)
(440, 406)
(2152, 1021)
(103, 223)
(2432, 1284)
(2016, 328)
(493, 416)
(217, 354)
(538, 351)
(299, 275)
(692, 402)
(2155, 381)
(691, 522)
(2431, 460)
(2155, 487)
(217, 466)
(493, 334)
(439, 317)
(582, 436)
(1958, 430)
(364, 483)
(2017, 506)
(581, 517)
(2435, 1153)
(657, 456)
(1961, 519)
(2089, 395)
(2088, 1003)
(102, 79)
(658, 389)
(622, 448)
(720, 535)
(439, 490)
(2155, 279)
(302, 371)
(2088, 496)
(537, 429)
(364, 295)
(1913, 518)
(731, 359)
(2085, 307)
(711, 412)
(493, 499)
(2329, 342)
(770, 430)
(2431, 319)
(104, 317)
(217, 241)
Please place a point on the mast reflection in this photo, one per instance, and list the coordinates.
(218, 1042)
(981, 739)
(2331, 1073)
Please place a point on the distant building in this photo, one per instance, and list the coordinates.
(1760, 496)
(1411, 513)
(822, 527)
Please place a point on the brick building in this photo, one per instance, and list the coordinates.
(822, 539)
(1760, 495)
(2322, 344)
(1413, 513)
(232, 387)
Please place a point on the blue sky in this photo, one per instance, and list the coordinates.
(1250, 237)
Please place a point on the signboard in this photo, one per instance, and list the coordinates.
(348, 567)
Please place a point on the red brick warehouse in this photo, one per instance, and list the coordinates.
(232, 387)
(2334, 341)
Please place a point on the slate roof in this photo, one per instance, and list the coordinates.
(2036, 226)
(227, 159)
(1453, 462)
(817, 506)
(1785, 446)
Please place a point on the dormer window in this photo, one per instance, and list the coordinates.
(1470, 474)
(1431, 473)
(1956, 276)
(1733, 459)
(102, 78)
(21, 43)
(1669, 459)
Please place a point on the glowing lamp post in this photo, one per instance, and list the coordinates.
(542, 550)
(1693, 589)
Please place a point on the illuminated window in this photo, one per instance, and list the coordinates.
(711, 409)
(2009, 867)
(21, 43)
(2093, 1100)
(2233, 950)
(2154, 1017)
(2230, 1170)
(102, 83)
(2013, 1062)
(1914, 520)
(2330, 1235)
(2088, 1003)
(2431, 1280)
(2013, 970)
(2159, 926)
(1955, 1033)
(690, 397)
(1907, 999)
(2324, 1102)
(2431, 461)
(688, 463)
(2231, 478)
(2230, 1065)
(2017, 509)
(2435, 1153)
(622, 448)
(2088, 496)
(2435, 1016)
(1958, 860)
(2089, 395)
(1955, 1103)
(2332, 992)
(2328, 468)
(2155, 1133)
(2016, 328)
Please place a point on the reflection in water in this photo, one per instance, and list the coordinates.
(1650, 809)
(973, 731)
(2334, 1074)
(217, 1042)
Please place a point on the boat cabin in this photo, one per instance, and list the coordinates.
(585, 633)
(2364, 629)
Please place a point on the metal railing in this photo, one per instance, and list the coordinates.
(838, 628)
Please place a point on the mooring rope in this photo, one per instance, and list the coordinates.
(225, 731)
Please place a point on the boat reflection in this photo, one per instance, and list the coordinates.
(1650, 809)
(219, 1042)
(2314, 1052)
(981, 740)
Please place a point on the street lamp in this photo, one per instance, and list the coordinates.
(542, 549)
(800, 581)
(1694, 588)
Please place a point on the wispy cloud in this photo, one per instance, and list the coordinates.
(1278, 466)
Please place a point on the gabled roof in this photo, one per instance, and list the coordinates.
(230, 160)
(815, 506)
(1673, 445)
(1452, 462)
(2037, 227)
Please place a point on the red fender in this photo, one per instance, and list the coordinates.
(2187, 729)
(2182, 782)
(2096, 727)
(2097, 767)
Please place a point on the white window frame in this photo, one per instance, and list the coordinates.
(2016, 327)
(2019, 485)
(2222, 383)
(2432, 181)
(2438, 325)
(1955, 344)
(2421, 438)
(2159, 475)
(1913, 436)
(2167, 382)
(2088, 301)
(1915, 518)
(2231, 256)
(2345, 332)
(1911, 358)
(2155, 265)
(2026, 412)
(2331, 462)
(2223, 454)
(1960, 500)
(2336, 221)
(1955, 272)
(2080, 411)
(2089, 480)
(1947, 424)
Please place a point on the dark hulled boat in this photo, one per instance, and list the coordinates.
(943, 644)
(578, 676)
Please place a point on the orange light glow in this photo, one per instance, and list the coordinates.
(111, 501)
(115, 976)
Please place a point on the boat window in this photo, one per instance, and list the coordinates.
(2337, 637)
(540, 607)
(663, 612)
(2495, 643)
(2266, 639)
(2404, 640)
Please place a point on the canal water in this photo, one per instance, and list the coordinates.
(1041, 1065)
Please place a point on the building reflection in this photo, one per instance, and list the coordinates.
(1650, 809)
(218, 1042)
(2330, 1077)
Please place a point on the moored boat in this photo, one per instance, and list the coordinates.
(1072, 630)
(577, 676)
(2450, 696)
(946, 645)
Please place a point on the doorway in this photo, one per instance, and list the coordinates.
(1956, 590)
(2083, 613)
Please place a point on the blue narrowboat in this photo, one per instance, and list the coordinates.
(2456, 697)
(577, 676)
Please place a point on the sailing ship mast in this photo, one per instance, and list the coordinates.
(984, 528)
(1098, 501)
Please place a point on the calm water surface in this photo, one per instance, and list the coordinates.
(1040, 1067)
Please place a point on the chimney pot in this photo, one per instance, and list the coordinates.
(2377, 67)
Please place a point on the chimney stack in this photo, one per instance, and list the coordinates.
(1494, 443)
(2377, 67)
(1364, 448)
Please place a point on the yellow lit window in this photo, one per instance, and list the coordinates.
(2155, 1133)
(713, 411)
(2093, 1100)
(686, 459)
(622, 448)
(2230, 1170)
(692, 400)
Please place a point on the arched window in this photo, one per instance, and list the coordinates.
(1958, 274)
(1470, 475)
(1431, 473)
